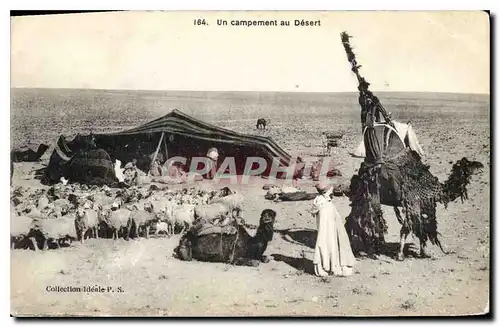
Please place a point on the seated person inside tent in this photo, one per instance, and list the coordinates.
(133, 175)
(174, 173)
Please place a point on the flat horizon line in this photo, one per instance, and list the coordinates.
(237, 91)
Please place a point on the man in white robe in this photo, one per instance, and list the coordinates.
(333, 253)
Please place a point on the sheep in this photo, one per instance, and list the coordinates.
(102, 218)
(129, 195)
(43, 202)
(225, 191)
(15, 200)
(200, 198)
(211, 212)
(15, 210)
(183, 215)
(162, 226)
(53, 213)
(204, 197)
(54, 230)
(186, 199)
(62, 205)
(175, 210)
(86, 219)
(32, 211)
(20, 228)
(164, 212)
(233, 202)
(18, 191)
(165, 205)
(102, 199)
(141, 219)
(117, 220)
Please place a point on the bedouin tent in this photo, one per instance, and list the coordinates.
(175, 134)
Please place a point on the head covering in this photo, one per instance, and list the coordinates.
(213, 153)
(322, 187)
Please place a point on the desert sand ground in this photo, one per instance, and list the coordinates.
(156, 284)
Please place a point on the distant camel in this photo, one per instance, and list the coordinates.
(261, 123)
(27, 153)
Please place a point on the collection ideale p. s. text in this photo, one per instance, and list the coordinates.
(83, 289)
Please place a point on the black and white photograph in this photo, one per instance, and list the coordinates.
(250, 164)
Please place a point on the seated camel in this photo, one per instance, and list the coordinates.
(230, 243)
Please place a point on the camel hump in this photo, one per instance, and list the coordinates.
(211, 229)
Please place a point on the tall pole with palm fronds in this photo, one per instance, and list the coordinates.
(371, 108)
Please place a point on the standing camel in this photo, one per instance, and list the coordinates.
(394, 174)
(403, 181)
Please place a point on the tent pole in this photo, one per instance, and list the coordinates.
(156, 152)
(166, 149)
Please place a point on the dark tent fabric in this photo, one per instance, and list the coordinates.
(184, 136)
(92, 167)
(75, 161)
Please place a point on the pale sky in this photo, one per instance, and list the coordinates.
(399, 51)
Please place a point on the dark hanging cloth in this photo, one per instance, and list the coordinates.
(373, 138)
(92, 167)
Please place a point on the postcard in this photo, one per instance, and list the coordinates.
(250, 164)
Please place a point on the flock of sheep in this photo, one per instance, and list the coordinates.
(64, 213)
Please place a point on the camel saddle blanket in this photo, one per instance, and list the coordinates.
(207, 229)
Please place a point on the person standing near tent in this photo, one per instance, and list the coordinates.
(156, 168)
(333, 253)
(213, 155)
